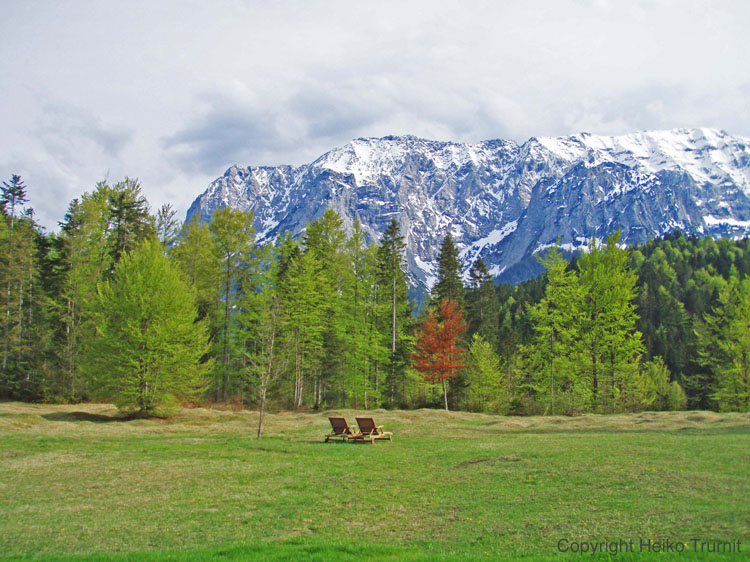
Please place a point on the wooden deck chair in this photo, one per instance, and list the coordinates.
(340, 428)
(368, 431)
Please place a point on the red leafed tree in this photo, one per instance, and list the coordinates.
(438, 355)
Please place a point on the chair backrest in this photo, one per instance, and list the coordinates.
(367, 425)
(339, 425)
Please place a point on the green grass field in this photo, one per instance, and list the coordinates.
(78, 483)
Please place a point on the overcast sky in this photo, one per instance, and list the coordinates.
(174, 92)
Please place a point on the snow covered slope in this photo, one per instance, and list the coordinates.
(501, 200)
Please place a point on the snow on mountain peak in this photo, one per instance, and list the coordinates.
(502, 200)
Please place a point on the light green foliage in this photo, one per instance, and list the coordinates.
(611, 346)
(724, 344)
(484, 378)
(554, 358)
(364, 345)
(586, 348)
(325, 241)
(261, 325)
(196, 254)
(303, 299)
(233, 234)
(148, 349)
(167, 225)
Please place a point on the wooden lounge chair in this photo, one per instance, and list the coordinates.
(368, 431)
(339, 429)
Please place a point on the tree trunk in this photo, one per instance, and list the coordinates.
(393, 340)
(262, 409)
(225, 379)
(445, 394)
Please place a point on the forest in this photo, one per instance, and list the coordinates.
(131, 307)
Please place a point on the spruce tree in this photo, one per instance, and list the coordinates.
(482, 306)
(129, 217)
(12, 198)
(394, 302)
(449, 284)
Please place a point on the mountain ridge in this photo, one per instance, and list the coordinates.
(502, 200)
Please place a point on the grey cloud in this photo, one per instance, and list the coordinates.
(266, 131)
(225, 135)
(64, 130)
(317, 115)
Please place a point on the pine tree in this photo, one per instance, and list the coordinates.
(148, 348)
(325, 239)
(197, 256)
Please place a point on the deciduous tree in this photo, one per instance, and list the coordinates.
(438, 354)
(148, 349)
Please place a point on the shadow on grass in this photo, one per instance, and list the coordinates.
(86, 416)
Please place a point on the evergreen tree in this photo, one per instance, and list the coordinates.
(128, 216)
(263, 321)
(197, 256)
(148, 346)
(392, 296)
(482, 306)
(24, 329)
(449, 284)
(167, 226)
(12, 199)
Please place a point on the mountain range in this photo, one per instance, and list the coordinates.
(502, 200)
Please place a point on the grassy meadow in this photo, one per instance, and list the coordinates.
(78, 482)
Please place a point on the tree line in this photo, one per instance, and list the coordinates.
(130, 306)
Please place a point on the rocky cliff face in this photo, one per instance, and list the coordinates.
(501, 200)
